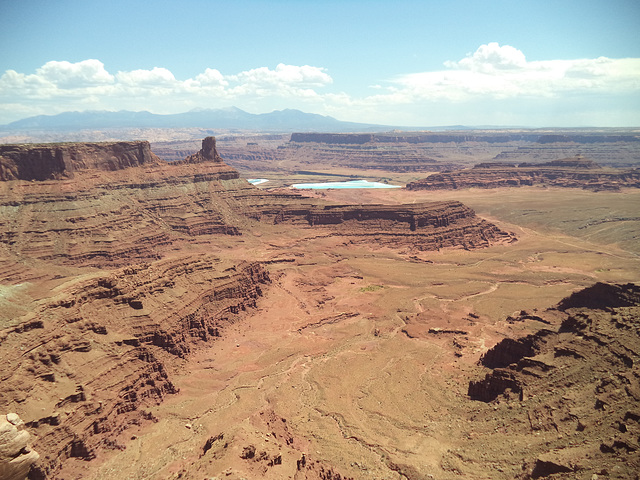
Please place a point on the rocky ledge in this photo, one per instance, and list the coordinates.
(422, 226)
(578, 382)
(575, 172)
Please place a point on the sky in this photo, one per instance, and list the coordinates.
(543, 63)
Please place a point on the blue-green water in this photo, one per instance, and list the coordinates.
(257, 181)
(350, 184)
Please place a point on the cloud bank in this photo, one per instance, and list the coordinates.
(495, 74)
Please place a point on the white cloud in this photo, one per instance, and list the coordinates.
(284, 75)
(143, 78)
(496, 80)
(501, 72)
(73, 75)
(490, 57)
(211, 76)
(76, 83)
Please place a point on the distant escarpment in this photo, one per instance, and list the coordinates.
(56, 161)
(488, 136)
(84, 368)
(580, 379)
(339, 138)
(423, 226)
(570, 172)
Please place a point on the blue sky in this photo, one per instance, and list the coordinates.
(418, 63)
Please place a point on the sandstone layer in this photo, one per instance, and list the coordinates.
(425, 226)
(572, 173)
(81, 378)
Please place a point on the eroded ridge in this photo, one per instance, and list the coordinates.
(579, 382)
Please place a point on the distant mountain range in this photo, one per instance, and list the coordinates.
(225, 118)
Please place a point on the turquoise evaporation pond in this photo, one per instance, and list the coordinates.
(349, 184)
(257, 181)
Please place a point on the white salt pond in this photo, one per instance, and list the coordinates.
(257, 181)
(349, 184)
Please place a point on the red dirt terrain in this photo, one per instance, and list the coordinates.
(169, 320)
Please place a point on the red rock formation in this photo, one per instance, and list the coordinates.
(424, 226)
(581, 379)
(106, 370)
(117, 217)
(55, 161)
(208, 153)
(126, 299)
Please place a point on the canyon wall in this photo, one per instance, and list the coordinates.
(113, 273)
(421, 226)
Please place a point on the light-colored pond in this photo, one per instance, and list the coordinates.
(349, 184)
(257, 181)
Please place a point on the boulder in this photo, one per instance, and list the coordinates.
(16, 458)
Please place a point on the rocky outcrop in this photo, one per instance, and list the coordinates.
(572, 172)
(208, 153)
(56, 161)
(580, 379)
(16, 456)
(602, 296)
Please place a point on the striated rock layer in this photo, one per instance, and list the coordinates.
(572, 172)
(423, 226)
(80, 378)
(113, 218)
(580, 380)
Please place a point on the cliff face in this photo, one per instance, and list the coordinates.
(571, 173)
(579, 379)
(55, 161)
(116, 217)
(461, 136)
